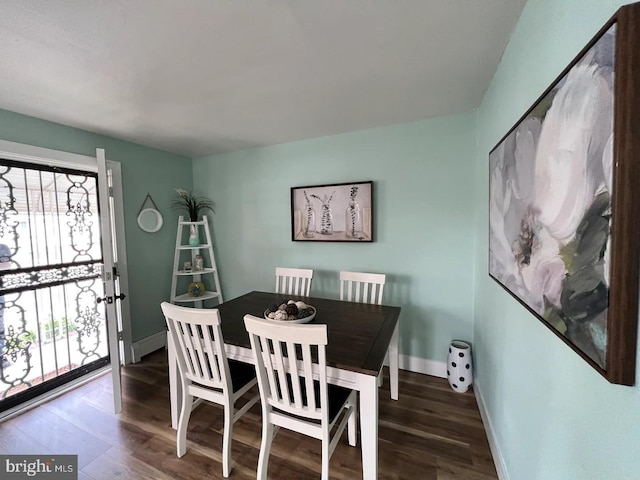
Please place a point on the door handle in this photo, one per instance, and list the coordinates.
(109, 300)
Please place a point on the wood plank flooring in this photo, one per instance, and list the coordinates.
(430, 433)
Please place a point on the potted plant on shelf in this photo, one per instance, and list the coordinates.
(195, 205)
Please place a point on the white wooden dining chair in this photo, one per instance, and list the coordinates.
(367, 288)
(293, 281)
(362, 287)
(290, 396)
(206, 373)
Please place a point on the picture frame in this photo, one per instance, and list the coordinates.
(564, 193)
(339, 212)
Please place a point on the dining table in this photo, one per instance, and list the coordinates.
(359, 336)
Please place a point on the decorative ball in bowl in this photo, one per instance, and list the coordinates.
(290, 311)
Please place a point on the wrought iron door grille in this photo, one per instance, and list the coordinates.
(50, 277)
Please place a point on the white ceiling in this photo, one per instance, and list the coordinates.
(207, 76)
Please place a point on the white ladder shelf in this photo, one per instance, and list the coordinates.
(185, 252)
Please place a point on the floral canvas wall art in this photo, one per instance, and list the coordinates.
(552, 221)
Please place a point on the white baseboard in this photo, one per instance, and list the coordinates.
(498, 459)
(147, 345)
(439, 369)
(421, 365)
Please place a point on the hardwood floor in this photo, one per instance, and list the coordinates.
(430, 433)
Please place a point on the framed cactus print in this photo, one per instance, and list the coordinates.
(340, 212)
(563, 200)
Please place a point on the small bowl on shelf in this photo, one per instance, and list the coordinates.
(306, 319)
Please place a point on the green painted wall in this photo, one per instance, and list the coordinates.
(553, 416)
(144, 170)
(423, 174)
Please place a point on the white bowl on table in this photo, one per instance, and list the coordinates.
(298, 320)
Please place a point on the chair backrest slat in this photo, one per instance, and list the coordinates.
(281, 372)
(266, 361)
(191, 351)
(308, 375)
(281, 376)
(197, 336)
(368, 287)
(293, 281)
(212, 360)
(198, 346)
(295, 378)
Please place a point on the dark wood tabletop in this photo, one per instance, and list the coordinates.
(358, 333)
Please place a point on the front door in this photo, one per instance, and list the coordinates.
(53, 329)
(109, 275)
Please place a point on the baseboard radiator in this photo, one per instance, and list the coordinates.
(147, 345)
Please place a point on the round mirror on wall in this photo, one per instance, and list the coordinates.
(149, 219)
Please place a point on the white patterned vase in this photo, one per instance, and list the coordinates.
(459, 366)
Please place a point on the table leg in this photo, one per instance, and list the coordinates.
(369, 425)
(174, 384)
(393, 364)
